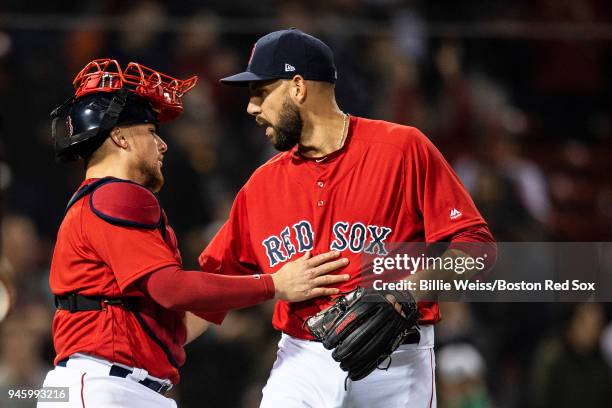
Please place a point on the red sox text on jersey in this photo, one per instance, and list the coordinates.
(356, 237)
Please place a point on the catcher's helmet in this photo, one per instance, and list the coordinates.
(107, 96)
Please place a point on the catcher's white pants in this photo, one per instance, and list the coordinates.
(90, 386)
(305, 375)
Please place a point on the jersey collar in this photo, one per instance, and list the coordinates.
(328, 158)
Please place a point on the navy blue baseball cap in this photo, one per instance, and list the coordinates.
(284, 54)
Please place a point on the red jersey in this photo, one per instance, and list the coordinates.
(93, 257)
(388, 184)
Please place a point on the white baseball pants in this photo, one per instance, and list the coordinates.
(90, 386)
(304, 375)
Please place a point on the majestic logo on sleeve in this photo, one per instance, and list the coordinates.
(455, 213)
(299, 237)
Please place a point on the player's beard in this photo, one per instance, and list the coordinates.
(288, 130)
(151, 176)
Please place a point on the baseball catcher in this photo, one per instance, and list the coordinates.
(125, 304)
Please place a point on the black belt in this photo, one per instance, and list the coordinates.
(118, 371)
(413, 338)
(73, 302)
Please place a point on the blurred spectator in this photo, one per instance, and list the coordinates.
(402, 95)
(410, 31)
(295, 14)
(23, 253)
(7, 290)
(568, 74)
(454, 110)
(142, 35)
(199, 50)
(570, 371)
(461, 325)
(461, 377)
(480, 125)
(23, 341)
(511, 190)
(606, 344)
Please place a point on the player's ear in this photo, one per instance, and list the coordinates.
(118, 136)
(298, 89)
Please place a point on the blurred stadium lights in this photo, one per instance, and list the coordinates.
(510, 29)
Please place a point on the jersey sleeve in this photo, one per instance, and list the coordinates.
(230, 251)
(130, 252)
(441, 198)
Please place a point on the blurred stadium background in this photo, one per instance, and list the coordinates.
(515, 94)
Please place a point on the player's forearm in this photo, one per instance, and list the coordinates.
(177, 289)
(476, 243)
(431, 275)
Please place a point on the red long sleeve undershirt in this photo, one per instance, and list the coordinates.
(477, 242)
(177, 289)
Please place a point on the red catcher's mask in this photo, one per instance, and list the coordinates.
(163, 91)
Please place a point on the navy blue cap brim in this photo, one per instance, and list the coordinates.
(244, 78)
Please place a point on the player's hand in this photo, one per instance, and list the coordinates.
(306, 278)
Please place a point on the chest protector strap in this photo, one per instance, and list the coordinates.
(73, 302)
